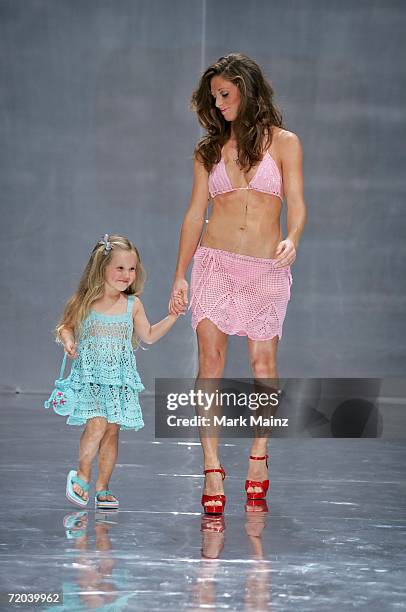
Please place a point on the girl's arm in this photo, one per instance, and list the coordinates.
(191, 231)
(145, 331)
(67, 338)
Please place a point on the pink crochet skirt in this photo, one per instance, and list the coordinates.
(240, 294)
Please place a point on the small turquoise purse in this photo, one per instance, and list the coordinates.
(63, 397)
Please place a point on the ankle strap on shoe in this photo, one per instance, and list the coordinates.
(219, 470)
(260, 458)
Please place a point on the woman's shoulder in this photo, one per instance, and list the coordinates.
(282, 136)
(284, 142)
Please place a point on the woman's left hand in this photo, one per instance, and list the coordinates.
(285, 253)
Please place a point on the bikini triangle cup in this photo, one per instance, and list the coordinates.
(267, 179)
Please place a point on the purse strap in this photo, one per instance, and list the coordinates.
(63, 365)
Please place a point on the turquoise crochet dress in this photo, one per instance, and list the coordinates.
(104, 375)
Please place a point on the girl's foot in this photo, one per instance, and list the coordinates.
(78, 489)
(257, 472)
(110, 497)
(105, 499)
(81, 497)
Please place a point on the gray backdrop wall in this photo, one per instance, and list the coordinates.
(97, 137)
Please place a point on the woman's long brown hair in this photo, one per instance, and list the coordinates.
(257, 112)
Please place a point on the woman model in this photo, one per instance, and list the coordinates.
(246, 164)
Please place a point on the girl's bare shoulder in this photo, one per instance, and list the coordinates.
(136, 305)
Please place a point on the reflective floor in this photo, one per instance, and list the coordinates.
(333, 537)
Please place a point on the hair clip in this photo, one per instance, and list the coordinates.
(107, 244)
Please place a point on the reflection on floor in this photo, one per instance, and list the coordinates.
(332, 539)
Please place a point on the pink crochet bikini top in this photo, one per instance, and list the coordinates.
(267, 179)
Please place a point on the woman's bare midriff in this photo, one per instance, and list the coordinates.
(246, 222)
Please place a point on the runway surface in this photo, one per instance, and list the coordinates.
(333, 539)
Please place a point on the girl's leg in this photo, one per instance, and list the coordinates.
(212, 344)
(108, 452)
(89, 445)
(263, 365)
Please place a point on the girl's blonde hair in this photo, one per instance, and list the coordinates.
(91, 285)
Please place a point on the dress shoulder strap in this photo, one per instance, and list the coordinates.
(130, 303)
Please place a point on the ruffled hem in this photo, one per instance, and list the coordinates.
(230, 331)
(240, 294)
(117, 404)
(135, 424)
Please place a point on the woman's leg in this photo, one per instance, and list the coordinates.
(212, 344)
(263, 365)
(88, 447)
(108, 452)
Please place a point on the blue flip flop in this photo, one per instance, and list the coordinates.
(73, 497)
(75, 524)
(100, 505)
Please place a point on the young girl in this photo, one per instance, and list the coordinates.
(96, 330)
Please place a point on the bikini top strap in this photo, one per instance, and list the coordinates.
(130, 303)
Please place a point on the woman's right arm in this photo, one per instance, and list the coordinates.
(191, 231)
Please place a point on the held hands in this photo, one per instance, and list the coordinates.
(285, 253)
(179, 297)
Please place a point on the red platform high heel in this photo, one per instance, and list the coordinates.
(262, 484)
(214, 508)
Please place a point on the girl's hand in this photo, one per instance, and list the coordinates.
(285, 253)
(179, 297)
(70, 348)
(173, 317)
